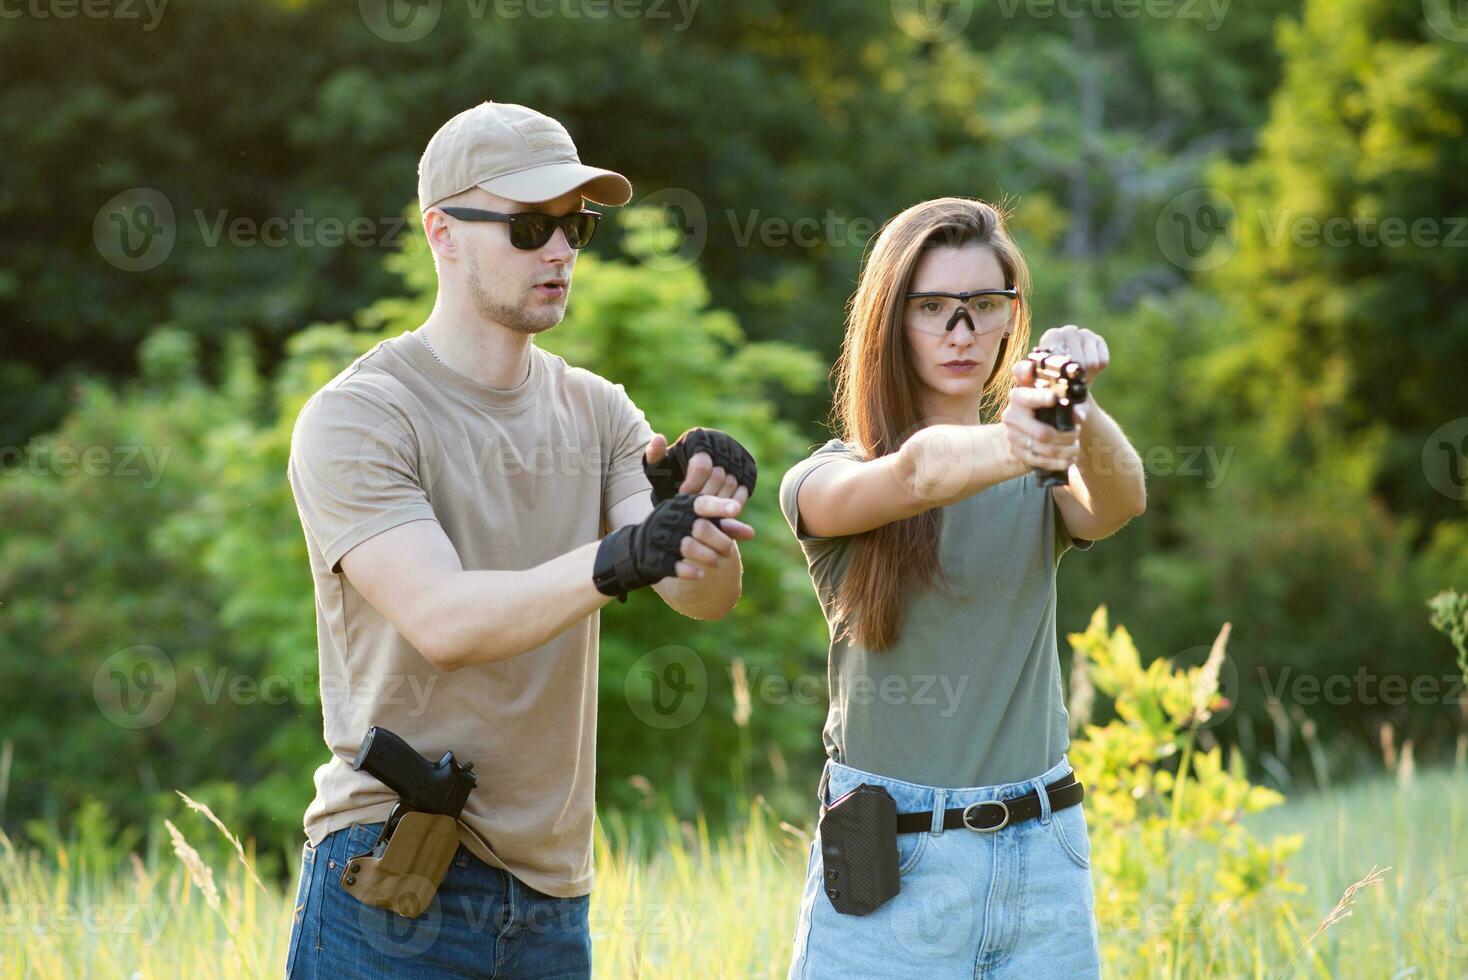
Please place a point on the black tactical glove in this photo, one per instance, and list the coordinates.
(641, 554)
(668, 473)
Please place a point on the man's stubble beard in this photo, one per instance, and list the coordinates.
(516, 318)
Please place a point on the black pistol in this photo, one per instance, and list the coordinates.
(1056, 370)
(440, 787)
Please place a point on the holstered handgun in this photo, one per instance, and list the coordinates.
(1057, 371)
(402, 870)
(858, 834)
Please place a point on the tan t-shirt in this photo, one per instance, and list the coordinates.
(515, 477)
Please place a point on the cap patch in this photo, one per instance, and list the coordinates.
(544, 134)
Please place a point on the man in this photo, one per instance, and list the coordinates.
(470, 502)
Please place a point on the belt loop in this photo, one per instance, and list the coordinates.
(940, 809)
(1044, 795)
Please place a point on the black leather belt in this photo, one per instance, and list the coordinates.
(987, 816)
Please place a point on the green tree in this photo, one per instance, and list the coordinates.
(1352, 323)
(195, 578)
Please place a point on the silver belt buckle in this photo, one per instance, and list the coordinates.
(987, 830)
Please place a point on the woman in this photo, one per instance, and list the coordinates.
(933, 550)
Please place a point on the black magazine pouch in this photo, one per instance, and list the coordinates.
(859, 850)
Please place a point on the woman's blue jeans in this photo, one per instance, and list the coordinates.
(1017, 902)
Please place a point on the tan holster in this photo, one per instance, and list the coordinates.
(407, 875)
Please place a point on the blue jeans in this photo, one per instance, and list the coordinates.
(1017, 902)
(483, 922)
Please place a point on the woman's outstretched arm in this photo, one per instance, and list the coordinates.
(1111, 488)
(938, 465)
(1107, 487)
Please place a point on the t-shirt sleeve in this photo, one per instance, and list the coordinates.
(354, 471)
(1063, 540)
(630, 434)
(795, 476)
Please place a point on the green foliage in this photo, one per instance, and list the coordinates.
(1350, 327)
(769, 113)
(1314, 373)
(1150, 815)
(94, 595)
(1315, 367)
(1450, 617)
(198, 575)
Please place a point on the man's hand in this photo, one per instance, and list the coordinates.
(664, 545)
(711, 552)
(701, 461)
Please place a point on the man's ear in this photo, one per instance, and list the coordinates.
(438, 231)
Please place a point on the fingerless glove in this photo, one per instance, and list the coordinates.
(638, 555)
(668, 473)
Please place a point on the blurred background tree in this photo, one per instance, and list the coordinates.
(1292, 395)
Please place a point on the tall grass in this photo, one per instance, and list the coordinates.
(674, 902)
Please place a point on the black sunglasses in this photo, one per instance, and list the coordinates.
(532, 229)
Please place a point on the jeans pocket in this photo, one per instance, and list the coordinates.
(1070, 830)
(360, 838)
(910, 849)
(303, 898)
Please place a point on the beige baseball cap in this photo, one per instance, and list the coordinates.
(514, 152)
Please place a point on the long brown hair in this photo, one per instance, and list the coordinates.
(875, 407)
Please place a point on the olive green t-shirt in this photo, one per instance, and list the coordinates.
(515, 477)
(969, 694)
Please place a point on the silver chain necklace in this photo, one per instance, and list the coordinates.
(423, 336)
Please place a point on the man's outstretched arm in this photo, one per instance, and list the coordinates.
(412, 575)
